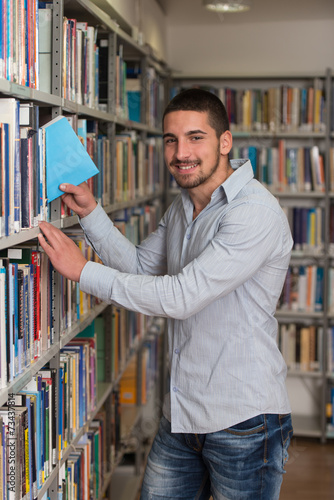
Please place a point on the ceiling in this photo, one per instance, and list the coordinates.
(185, 12)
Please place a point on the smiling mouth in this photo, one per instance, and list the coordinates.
(182, 166)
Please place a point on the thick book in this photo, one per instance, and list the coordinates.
(67, 160)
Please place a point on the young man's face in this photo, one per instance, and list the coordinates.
(192, 151)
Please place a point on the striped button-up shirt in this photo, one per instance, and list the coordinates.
(217, 278)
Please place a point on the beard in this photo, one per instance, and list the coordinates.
(190, 181)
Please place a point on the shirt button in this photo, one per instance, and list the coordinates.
(177, 351)
(175, 389)
(188, 236)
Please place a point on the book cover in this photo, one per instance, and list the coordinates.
(66, 158)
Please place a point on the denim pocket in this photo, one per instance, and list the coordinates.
(248, 427)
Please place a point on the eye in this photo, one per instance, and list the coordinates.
(170, 140)
(196, 138)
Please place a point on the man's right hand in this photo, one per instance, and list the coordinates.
(78, 198)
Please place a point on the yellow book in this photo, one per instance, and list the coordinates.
(305, 349)
(26, 446)
(312, 229)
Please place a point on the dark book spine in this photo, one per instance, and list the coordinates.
(54, 416)
(20, 313)
(25, 183)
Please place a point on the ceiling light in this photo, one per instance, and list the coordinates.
(227, 5)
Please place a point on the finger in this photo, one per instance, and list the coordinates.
(46, 247)
(71, 188)
(53, 234)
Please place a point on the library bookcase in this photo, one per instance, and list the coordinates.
(82, 381)
(285, 125)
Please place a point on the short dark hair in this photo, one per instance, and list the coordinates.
(201, 100)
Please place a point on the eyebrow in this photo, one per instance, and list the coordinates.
(191, 132)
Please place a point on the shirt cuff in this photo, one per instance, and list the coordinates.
(97, 279)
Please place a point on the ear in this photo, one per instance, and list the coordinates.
(226, 142)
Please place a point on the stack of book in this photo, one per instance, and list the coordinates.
(19, 41)
(300, 346)
(27, 315)
(286, 169)
(303, 289)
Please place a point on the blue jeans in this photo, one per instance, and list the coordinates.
(244, 462)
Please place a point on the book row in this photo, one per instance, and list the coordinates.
(28, 311)
(23, 174)
(301, 346)
(139, 96)
(286, 169)
(83, 474)
(282, 108)
(303, 289)
(29, 285)
(19, 42)
(128, 386)
(80, 63)
(139, 166)
(308, 228)
(40, 423)
(35, 423)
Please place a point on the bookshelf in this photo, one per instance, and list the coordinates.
(82, 340)
(285, 126)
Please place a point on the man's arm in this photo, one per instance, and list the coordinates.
(108, 242)
(116, 251)
(241, 247)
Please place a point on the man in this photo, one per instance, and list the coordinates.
(215, 268)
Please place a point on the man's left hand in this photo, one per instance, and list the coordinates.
(64, 254)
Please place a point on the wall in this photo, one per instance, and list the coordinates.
(266, 48)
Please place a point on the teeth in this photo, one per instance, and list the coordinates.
(188, 167)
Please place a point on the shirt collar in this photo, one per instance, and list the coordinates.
(243, 173)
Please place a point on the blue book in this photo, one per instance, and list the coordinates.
(17, 169)
(60, 412)
(6, 175)
(16, 324)
(319, 287)
(30, 438)
(11, 290)
(252, 155)
(66, 159)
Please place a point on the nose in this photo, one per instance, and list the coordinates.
(183, 149)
